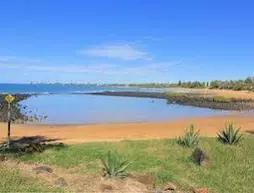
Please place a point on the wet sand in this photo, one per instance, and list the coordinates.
(208, 126)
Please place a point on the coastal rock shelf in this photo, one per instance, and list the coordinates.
(191, 99)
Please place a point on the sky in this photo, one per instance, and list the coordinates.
(125, 41)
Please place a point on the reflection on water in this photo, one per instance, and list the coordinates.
(81, 108)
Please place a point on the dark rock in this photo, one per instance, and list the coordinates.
(42, 169)
(61, 182)
(199, 157)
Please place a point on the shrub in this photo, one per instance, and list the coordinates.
(190, 139)
(230, 135)
(114, 166)
(222, 99)
(199, 157)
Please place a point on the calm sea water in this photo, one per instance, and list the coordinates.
(67, 104)
(66, 88)
(74, 109)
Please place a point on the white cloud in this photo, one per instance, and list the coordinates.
(100, 68)
(31, 66)
(117, 51)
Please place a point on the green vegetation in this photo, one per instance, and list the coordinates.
(11, 180)
(230, 168)
(16, 113)
(199, 156)
(230, 135)
(247, 84)
(190, 139)
(114, 166)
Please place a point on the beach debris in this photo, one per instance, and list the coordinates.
(43, 169)
(199, 157)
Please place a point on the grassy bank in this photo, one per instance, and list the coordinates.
(231, 168)
(11, 180)
(213, 102)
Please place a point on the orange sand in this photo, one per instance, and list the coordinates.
(208, 126)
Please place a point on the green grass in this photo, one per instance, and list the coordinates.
(11, 180)
(231, 168)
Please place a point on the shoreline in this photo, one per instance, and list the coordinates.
(71, 134)
(221, 100)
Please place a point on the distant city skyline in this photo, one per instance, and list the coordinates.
(126, 41)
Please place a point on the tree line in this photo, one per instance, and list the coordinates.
(246, 84)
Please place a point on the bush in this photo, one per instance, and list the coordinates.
(230, 135)
(114, 166)
(190, 139)
(199, 157)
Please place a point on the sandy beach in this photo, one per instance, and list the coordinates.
(208, 126)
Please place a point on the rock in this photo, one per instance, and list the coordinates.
(105, 187)
(42, 169)
(200, 190)
(61, 182)
(199, 157)
(170, 187)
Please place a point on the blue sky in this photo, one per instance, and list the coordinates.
(125, 40)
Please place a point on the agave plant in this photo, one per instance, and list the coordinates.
(190, 139)
(114, 166)
(230, 135)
